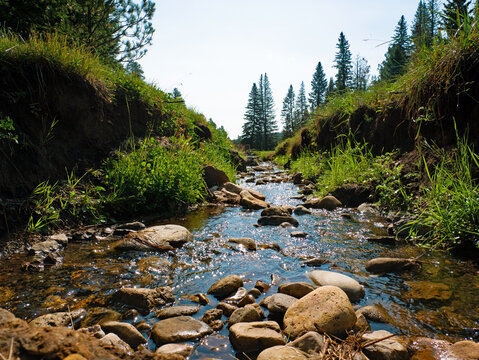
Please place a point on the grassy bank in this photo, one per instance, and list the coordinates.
(92, 143)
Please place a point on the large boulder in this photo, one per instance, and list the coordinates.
(161, 237)
(225, 286)
(179, 329)
(328, 202)
(142, 298)
(326, 309)
(351, 287)
(277, 220)
(252, 337)
(311, 343)
(236, 189)
(214, 177)
(282, 352)
(249, 201)
(390, 265)
(353, 195)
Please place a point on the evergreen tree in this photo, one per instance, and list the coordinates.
(287, 113)
(397, 56)
(268, 123)
(331, 89)
(252, 126)
(176, 94)
(419, 30)
(360, 73)
(319, 85)
(453, 15)
(301, 113)
(343, 64)
(433, 21)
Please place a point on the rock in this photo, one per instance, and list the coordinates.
(296, 289)
(113, 340)
(275, 211)
(198, 298)
(143, 326)
(350, 286)
(310, 343)
(353, 195)
(94, 330)
(282, 352)
(225, 286)
(99, 315)
(229, 197)
(316, 262)
(466, 350)
(202, 131)
(237, 160)
(214, 177)
(388, 265)
(178, 329)
(212, 315)
(74, 357)
(227, 309)
(328, 202)
(298, 178)
(254, 292)
(251, 161)
(287, 225)
(60, 238)
(216, 325)
(255, 336)
(182, 310)
(125, 331)
(425, 290)
(135, 226)
(248, 201)
(387, 240)
(368, 209)
(262, 286)
(249, 313)
(389, 349)
(256, 194)
(301, 210)
(298, 234)
(161, 237)
(326, 309)
(376, 313)
(58, 319)
(230, 187)
(175, 349)
(240, 298)
(279, 303)
(145, 299)
(261, 182)
(46, 252)
(298, 197)
(277, 220)
(248, 243)
(361, 323)
(308, 189)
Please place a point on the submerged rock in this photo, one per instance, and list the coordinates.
(326, 309)
(248, 243)
(328, 202)
(388, 265)
(425, 290)
(351, 287)
(141, 298)
(161, 237)
(277, 220)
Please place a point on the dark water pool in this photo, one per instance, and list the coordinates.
(92, 270)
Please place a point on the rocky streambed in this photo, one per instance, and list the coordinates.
(261, 273)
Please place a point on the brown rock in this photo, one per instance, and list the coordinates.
(142, 298)
(214, 176)
(227, 309)
(175, 349)
(225, 286)
(388, 349)
(425, 290)
(466, 350)
(248, 243)
(249, 313)
(390, 265)
(161, 237)
(255, 336)
(275, 211)
(311, 343)
(178, 329)
(281, 352)
(182, 310)
(125, 331)
(296, 289)
(325, 309)
(99, 315)
(328, 203)
(277, 220)
(248, 201)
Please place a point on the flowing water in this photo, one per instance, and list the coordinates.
(91, 270)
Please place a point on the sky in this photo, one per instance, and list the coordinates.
(214, 50)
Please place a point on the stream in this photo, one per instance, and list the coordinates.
(91, 270)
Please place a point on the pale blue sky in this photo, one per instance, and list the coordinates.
(213, 50)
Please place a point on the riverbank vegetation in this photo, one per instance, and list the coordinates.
(411, 137)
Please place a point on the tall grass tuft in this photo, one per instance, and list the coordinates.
(450, 206)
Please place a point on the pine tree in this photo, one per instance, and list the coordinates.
(397, 56)
(287, 113)
(453, 15)
(360, 73)
(301, 113)
(343, 64)
(268, 123)
(319, 85)
(176, 94)
(432, 26)
(252, 126)
(420, 26)
(331, 89)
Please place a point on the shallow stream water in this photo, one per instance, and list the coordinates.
(91, 270)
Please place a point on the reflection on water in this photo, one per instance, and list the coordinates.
(91, 271)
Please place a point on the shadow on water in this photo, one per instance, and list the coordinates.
(92, 270)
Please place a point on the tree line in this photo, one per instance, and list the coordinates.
(430, 24)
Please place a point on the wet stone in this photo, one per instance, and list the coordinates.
(175, 349)
(298, 234)
(376, 313)
(388, 349)
(248, 243)
(279, 303)
(425, 290)
(125, 331)
(99, 315)
(225, 286)
(351, 287)
(142, 298)
(296, 289)
(254, 292)
(255, 336)
(249, 313)
(277, 220)
(178, 329)
(173, 311)
(212, 315)
(282, 352)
